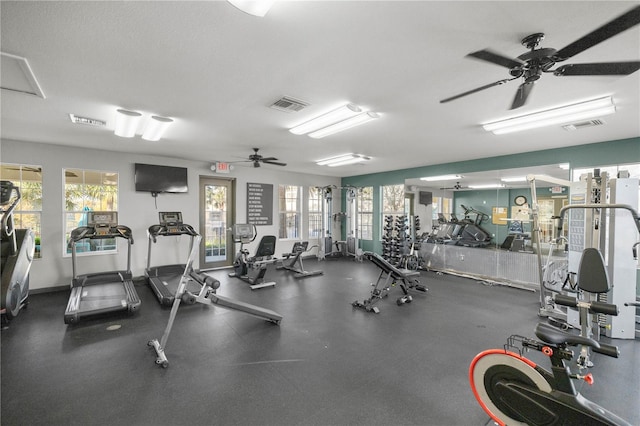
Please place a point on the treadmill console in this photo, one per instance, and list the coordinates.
(102, 222)
(172, 221)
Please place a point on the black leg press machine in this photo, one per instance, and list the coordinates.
(389, 276)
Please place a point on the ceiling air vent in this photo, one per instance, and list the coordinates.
(583, 124)
(288, 104)
(86, 120)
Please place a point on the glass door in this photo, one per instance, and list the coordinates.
(216, 216)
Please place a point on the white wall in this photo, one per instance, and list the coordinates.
(136, 210)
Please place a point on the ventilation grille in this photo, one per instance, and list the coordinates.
(583, 124)
(87, 121)
(288, 104)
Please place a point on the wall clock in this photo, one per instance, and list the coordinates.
(520, 200)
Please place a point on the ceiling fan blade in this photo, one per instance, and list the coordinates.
(521, 95)
(496, 58)
(275, 163)
(497, 83)
(269, 159)
(603, 68)
(608, 30)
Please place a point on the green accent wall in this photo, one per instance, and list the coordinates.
(622, 151)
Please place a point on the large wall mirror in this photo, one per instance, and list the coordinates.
(498, 202)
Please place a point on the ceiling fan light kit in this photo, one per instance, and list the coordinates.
(565, 114)
(531, 65)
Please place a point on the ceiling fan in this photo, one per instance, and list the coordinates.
(456, 186)
(530, 65)
(257, 159)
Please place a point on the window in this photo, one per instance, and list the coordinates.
(441, 205)
(392, 202)
(289, 207)
(365, 213)
(88, 190)
(315, 212)
(28, 212)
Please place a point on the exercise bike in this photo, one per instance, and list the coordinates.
(512, 389)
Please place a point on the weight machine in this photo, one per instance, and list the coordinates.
(598, 221)
(343, 248)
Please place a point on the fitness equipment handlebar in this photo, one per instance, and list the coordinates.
(594, 306)
(634, 213)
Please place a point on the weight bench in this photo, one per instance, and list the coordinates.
(389, 276)
(293, 261)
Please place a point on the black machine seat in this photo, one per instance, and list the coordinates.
(388, 268)
(549, 334)
(389, 276)
(592, 273)
(298, 247)
(267, 246)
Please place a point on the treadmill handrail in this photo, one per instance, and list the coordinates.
(162, 230)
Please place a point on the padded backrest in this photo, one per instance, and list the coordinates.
(592, 272)
(267, 246)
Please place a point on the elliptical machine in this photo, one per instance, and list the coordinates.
(18, 248)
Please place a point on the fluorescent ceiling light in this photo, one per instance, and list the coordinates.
(332, 117)
(253, 7)
(580, 111)
(441, 177)
(487, 186)
(514, 179)
(156, 128)
(345, 124)
(564, 166)
(127, 123)
(342, 160)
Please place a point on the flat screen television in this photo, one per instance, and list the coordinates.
(157, 179)
(426, 198)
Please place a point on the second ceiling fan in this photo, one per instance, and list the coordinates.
(530, 65)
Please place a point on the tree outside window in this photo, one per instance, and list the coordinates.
(365, 213)
(289, 207)
(315, 212)
(28, 213)
(392, 202)
(88, 190)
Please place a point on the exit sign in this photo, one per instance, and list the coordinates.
(222, 167)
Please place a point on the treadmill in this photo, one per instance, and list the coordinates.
(102, 292)
(165, 279)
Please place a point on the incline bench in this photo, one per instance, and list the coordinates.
(390, 275)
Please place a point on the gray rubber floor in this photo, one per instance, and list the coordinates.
(326, 364)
